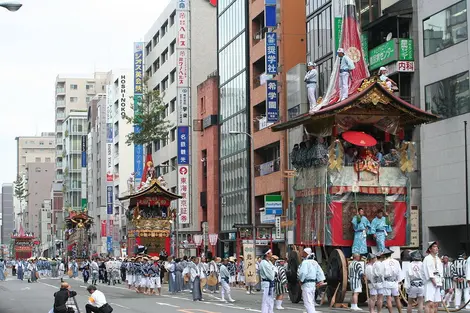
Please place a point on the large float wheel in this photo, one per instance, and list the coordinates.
(293, 286)
(337, 275)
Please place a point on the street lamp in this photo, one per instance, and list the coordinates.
(11, 6)
(252, 174)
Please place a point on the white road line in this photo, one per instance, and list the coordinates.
(303, 310)
(50, 285)
(121, 306)
(166, 304)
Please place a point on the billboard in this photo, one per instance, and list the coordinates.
(84, 175)
(138, 92)
(183, 190)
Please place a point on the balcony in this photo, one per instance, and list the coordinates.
(268, 168)
(60, 115)
(60, 103)
(256, 8)
(91, 91)
(268, 184)
(60, 90)
(58, 153)
(59, 177)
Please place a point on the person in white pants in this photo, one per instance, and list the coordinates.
(459, 275)
(267, 274)
(310, 80)
(346, 65)
(225, 281)
(310, 274)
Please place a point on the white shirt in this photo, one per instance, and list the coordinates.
(97, 299)
(414, 273)
(432, 267)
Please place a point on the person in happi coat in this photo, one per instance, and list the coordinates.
(138, 272)
(86, 272)
(310, 274)
(20, 269)
(232, 268)
(225, 281)
(355, 275)
(195, 279)
(183, 263)
(267, 274)
(392, 278)
(378, 279)
(433, 273)
(240, 271)
(214, 272)
(203, 270)
(145, 282)
(154, 277)
(379, 228)
(34, 271)
(459, 276)
(448, 281)
(361, 226)
(2, 270)
(130, 273)
(346, 65)
(280, 283)
(171, 268)
(414, 284)
(370, 280)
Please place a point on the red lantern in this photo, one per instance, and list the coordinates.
(387, 137)
(334, 132)
(401, 134)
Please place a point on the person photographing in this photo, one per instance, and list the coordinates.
(97, 301)
(61, 297)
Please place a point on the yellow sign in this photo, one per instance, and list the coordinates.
(249, 263)
(289, 223)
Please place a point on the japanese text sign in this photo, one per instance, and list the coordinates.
(183, 187)
(138, 67)
(250, 262)
(183, 145)
(271, 53)
(272, 112)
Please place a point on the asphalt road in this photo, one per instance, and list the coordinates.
(21, 297)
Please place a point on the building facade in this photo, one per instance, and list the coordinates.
(46, 245)
(179, 55)
(57, 218)
(8, 216)
(72, 92)
(74, 129)
(40, 177)
(34, 149)
(444, 90)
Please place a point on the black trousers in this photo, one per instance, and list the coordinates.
(90, 308)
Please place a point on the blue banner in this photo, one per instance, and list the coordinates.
(271, 53)
(83, 151)
(109, 244)
(138, 91)
(272, 111)
(109, 199)
(183, 145)
(270, 13)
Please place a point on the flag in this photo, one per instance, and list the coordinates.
(147, 167)
(351, 43)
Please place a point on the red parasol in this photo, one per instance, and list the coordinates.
(359, 138)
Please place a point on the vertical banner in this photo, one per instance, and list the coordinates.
(103, 228)
(183, 96)
(109, 172)
(272, 112)
(271, 53)
(270, 13)
(249, 263)
(83, 174)
(138, 93)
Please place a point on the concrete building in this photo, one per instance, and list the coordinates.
(35, 149)
(74, 128)
(8, 218)
(444, 90)
(45, 230)
(72, 92)
(58, 217)
(39, 179)
(208, 155)
(179, 55)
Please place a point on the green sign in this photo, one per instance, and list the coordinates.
(84, 204)
(406, 50)
(391, 51)
(338, 32)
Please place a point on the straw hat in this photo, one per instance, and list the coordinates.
(218, 259)
(231, 259)
(155, 258)
(275, 257)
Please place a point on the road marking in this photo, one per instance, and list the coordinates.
(121, 306)
(83, 287)
(166, 304)
(303, 310)
(25, 288)
(50, 285)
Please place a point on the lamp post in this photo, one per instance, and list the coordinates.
(11, 6)
(252, 178)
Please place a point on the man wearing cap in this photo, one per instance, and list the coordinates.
(459, 276)
(154, 277)
(383, 77)
(355, 274)
(432, 270)
(346, 65)
(414, 281)
(267, 274)
(392, 278)
(310, 274)
(311, 83)
(225, 281)
(371, 259)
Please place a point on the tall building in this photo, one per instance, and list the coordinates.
(8, 218)
(45, 231)
(444, 90)
(179, 55)
(74, 132)
(39, 180)
(72, 92)
(58, 217)
(34, 149)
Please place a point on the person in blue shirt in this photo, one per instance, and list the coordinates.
(310, 274)
(346, 65)
(379, 228)
(361, 226)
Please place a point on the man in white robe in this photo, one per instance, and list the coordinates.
(433, 273)
(310, 274)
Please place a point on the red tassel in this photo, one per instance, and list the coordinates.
(334, 131)
(401, 134)
(387, 137)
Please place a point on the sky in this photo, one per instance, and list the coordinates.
(49, 37)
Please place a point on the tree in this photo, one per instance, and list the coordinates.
(149, 116)
(20, 189)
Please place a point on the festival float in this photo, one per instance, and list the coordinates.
(149, 214)
(77, 235)
(23, 244)
(355, 154)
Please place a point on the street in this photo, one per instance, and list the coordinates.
(19, 296)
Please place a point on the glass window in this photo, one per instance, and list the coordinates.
(232, 59)
(231, 22)
(233, 96)
(313, 5)
(445, 29)
(320, 35)
(230, 144)
(448, 97)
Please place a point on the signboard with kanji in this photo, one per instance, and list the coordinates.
(249, 263)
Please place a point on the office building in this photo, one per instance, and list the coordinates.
(39, 180)
(34, 149)
(74, 129)
(8, 218)
(179, 55)
(45, 230)
(58, 217)
(72, 92)
(444, 90)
